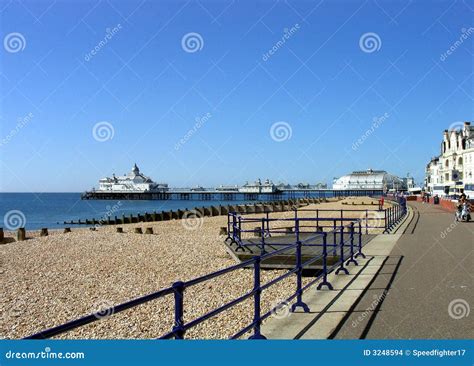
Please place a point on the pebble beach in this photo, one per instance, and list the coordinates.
(50, 280)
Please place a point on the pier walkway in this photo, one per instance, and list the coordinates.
(415, 283)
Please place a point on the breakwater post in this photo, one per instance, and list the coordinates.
(21, 234)
(253, 208)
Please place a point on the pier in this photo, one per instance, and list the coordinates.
(218, 195)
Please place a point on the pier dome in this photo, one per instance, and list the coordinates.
(135, 181)
(368, 179)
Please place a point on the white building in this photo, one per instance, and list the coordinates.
(453, 171)
(132, 182)
(433, 178)
(259, 187)
(369, 179)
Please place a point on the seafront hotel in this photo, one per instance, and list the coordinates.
(452, 172)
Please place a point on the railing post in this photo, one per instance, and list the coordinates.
(257, 292)
(262, 252)
(268, 223)
(366, 221)
(388, 219)
(228, 226)
(299, 273)
(341, 259)
(178, 329)
(317, 220)
(352, 260)
(237, 233)
(325, 265)
(334, 237)
(240, 229)
(359, 253)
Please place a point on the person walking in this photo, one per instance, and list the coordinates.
(381, 202)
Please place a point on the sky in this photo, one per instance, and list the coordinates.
(221, 92)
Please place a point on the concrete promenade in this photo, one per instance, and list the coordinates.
(436, 270)
(415, 283)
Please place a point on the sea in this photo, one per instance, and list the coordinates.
(50, 210)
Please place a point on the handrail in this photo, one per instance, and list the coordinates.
(345, 246)
(386, 220)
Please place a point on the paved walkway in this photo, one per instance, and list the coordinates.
(402, 290)
(436, 270)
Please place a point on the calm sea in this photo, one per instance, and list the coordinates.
(50, 210)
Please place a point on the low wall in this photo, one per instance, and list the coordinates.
(445, 204)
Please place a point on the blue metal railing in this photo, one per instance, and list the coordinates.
(348, 251)
(238, 224)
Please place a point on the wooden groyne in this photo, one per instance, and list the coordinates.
(258, 207)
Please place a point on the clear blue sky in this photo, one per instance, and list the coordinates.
(150, 89)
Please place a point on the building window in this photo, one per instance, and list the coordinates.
(446, 163)
(460, 161)
(446, 176)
